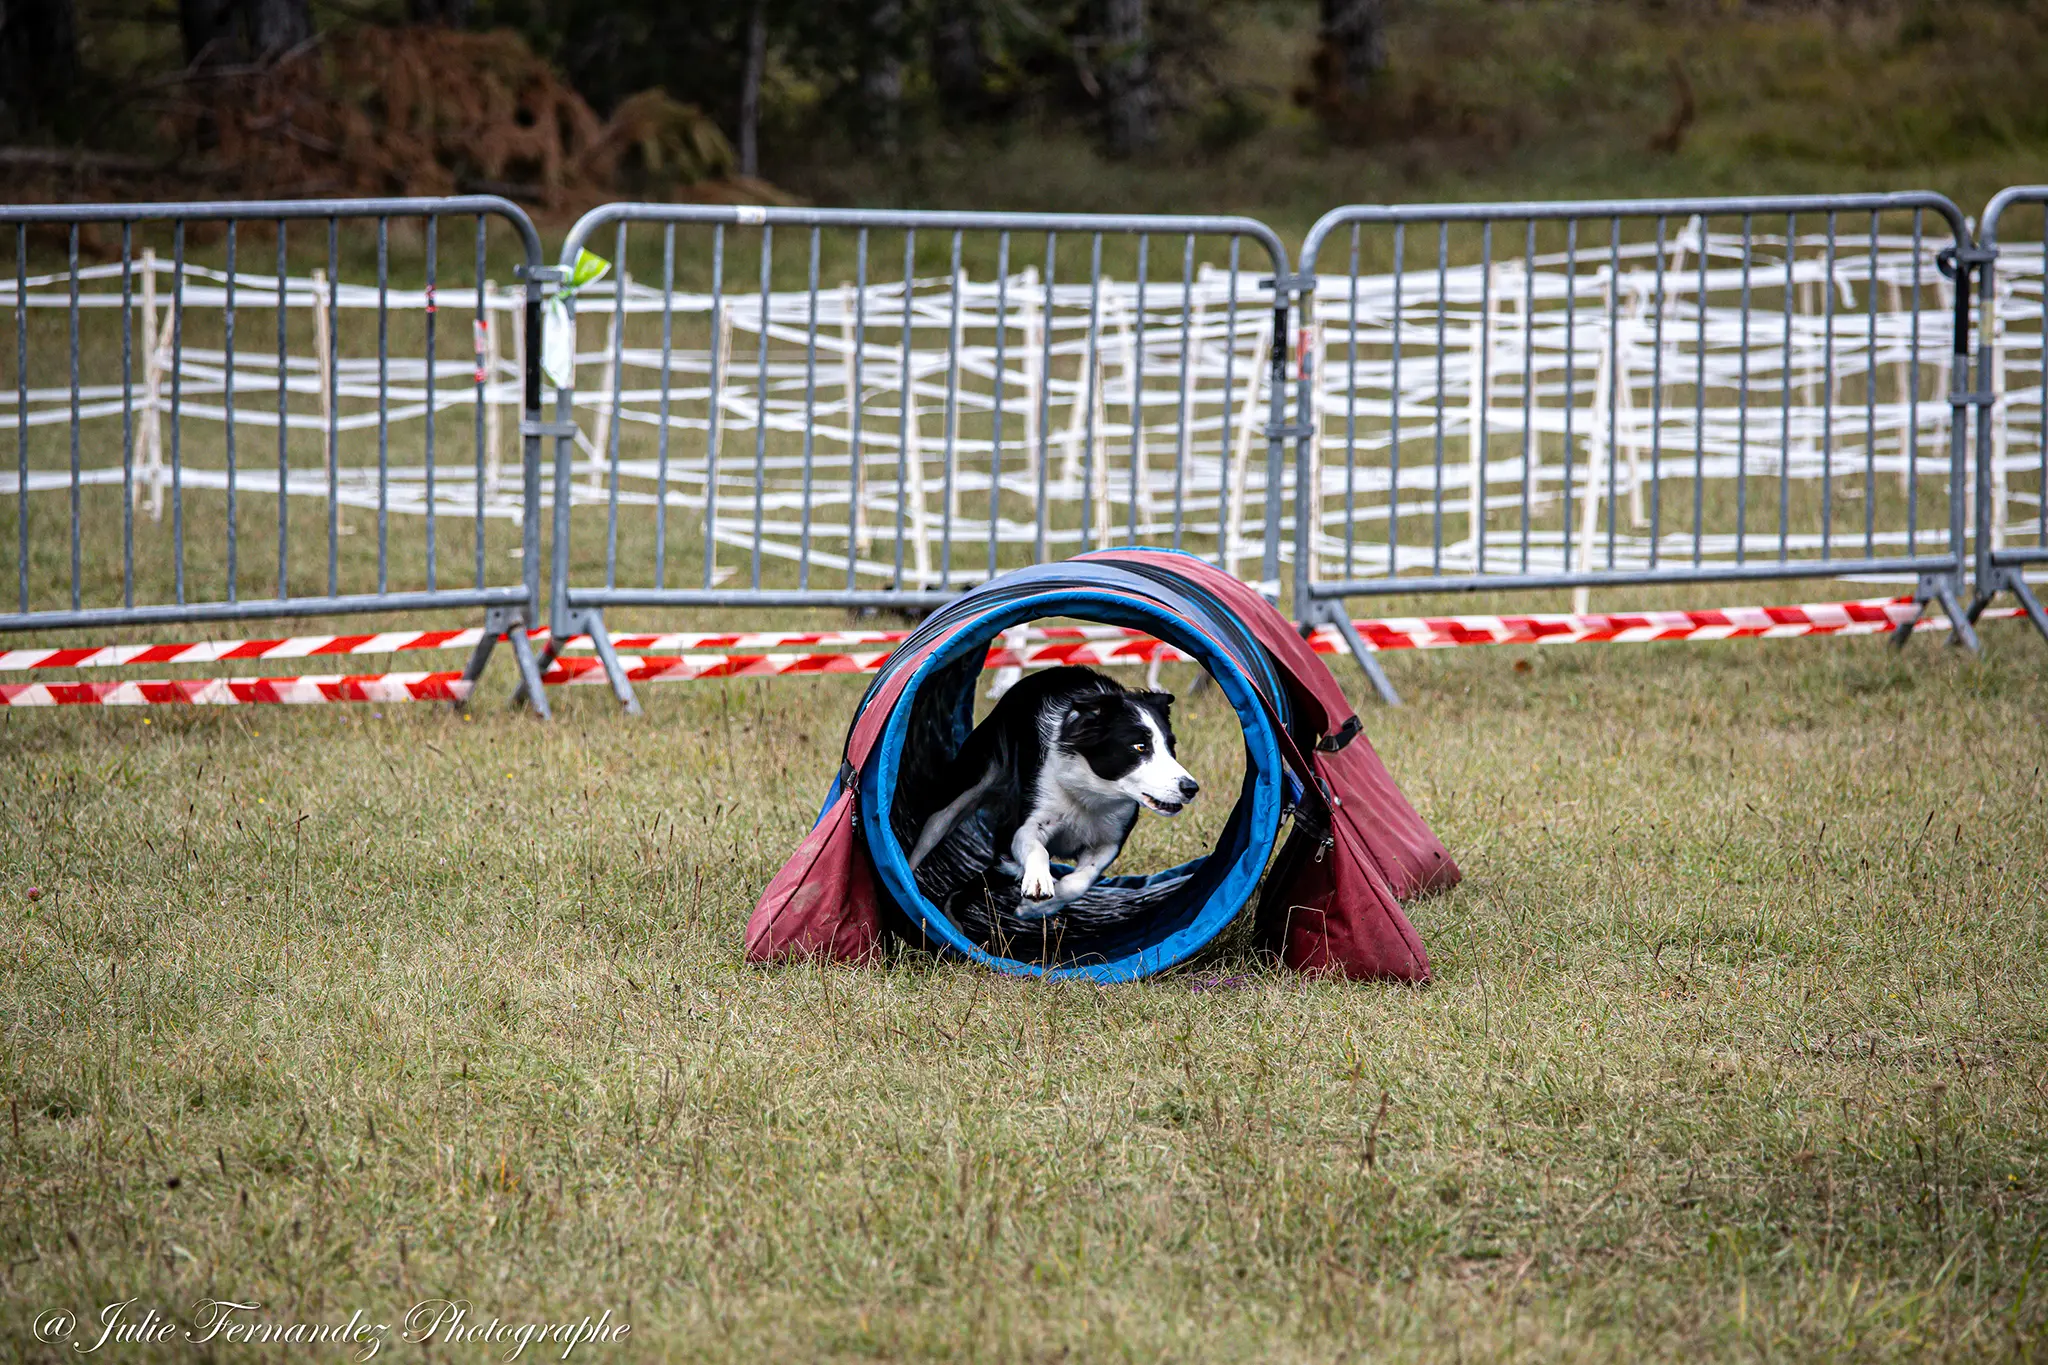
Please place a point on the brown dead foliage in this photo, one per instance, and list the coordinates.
(377, 111)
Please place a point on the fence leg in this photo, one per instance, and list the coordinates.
(530, 689)
(1333, 614)
(511, 624)
(591, 623)
(1902, 633)
(2005, 579)
(1942, 589)
(2017, 586)
(1963, 630)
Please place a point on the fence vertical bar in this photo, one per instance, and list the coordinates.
(1436, 515)
(128, 415)
(610, 454)
(1827, 399)
(668, 295)
(283, 419)
(1276, 450)
(1656, 410)
(903, 408)
(1225, 551)
(1187, 341)
(855, 518)
(1610, 438)
(714, 403)
(1045, 391)
(177, 409)
(810, 414)
(952, 417)
(1136, 452)
(228, 401)
(1870, 403)
(21, 402)
(1785, 395)
(333, 408)
(1909, 444)
(77, 506)
(1351, 414)
(1529, 441)
(1571, 371)
(1742, 413)
(1394, 417)
(760, 400)
(995, 459)
(433, 226)
(1094, 366)
(1699, 399)
(484, 376)
(383, 402)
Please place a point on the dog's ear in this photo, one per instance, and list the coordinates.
(1162, 700)
(1084, 719)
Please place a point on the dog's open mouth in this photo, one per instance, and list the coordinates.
(1164, 807)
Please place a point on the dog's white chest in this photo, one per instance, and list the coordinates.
(1068, 816)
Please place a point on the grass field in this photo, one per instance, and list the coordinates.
(1735, 1048)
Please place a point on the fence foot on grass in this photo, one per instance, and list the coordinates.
(1335, 615)
(1902, 633)
(591, 623)
(1963, 630)
(530, 689)
(2010, 580)
(511, 624)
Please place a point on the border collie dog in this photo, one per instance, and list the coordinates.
(1063, 764)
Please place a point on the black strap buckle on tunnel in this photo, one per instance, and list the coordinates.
(1347, 732)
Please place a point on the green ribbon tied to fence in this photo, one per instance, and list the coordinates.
(558, 327)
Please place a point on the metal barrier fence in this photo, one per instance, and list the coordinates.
(872, 409)
(1083, 380)
(2012, 404)
(188, 396)
(1632, 392)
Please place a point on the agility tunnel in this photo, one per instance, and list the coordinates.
(1353, 849)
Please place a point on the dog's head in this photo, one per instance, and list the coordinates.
(1127, 740)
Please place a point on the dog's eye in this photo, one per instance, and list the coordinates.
(1137, 748)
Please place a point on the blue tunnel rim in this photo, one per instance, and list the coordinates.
(1110, 604)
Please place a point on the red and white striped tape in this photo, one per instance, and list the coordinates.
(239, 651)
(309, 690)
(1042, 647)
(1867, 617)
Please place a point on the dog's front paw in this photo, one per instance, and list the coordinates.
(1074, 883)
(1036, 884)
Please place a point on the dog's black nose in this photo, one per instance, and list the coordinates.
(1188, 788)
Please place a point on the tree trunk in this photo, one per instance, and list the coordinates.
(225, 32)
(276, 26)
(208, 30)
(38, 61)
(959, 65)
(750, 90)
(441, 13)
(1353, 40)
(881, 82)
(1128, 70)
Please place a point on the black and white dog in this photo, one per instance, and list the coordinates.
(1062, 764)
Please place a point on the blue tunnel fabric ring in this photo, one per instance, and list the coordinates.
(1185, 908)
